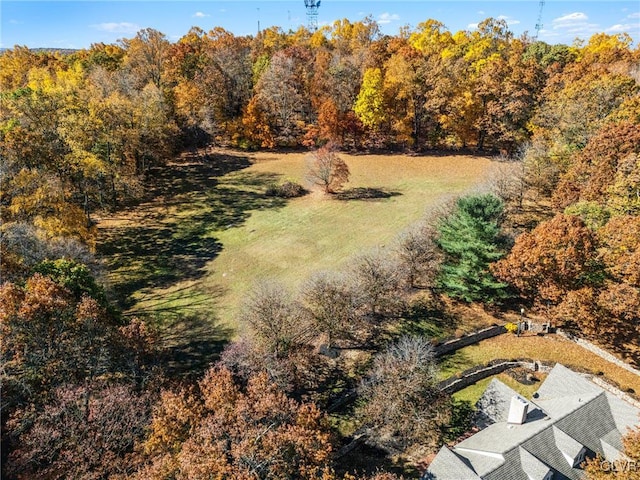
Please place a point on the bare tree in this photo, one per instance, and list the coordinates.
(419, 255)
(377, 276)
(299, 372)
(282, 93)
(23, 246)
(327, 169)
(404, 406)
(331, 302)
(274, 318)
(507, 179)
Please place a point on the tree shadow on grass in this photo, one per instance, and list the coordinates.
(171, 237)
(191, 344)
(453, 363)
(190, 335)
(192, 173)
(366, 459)
(427, 319)
(366, 193)
(430, 327)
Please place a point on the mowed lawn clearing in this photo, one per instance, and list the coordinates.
(473, 392)
(323, 232)
(250, 236)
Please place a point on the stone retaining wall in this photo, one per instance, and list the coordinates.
(615, 391)
(454, 344)
(471, 376)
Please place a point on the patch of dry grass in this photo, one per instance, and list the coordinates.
(548, 349)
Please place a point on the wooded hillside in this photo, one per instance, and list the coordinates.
(79, 131)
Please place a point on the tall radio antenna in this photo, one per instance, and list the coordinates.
(312, 14)
(539, 22)
(258, 9)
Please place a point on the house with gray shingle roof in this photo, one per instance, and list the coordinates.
(569, 419)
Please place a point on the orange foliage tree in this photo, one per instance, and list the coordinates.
(604, 167)
(556, 257)
(327, 170)
(222, 430)
(624, 468)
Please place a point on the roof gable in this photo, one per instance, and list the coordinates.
(568, 446)
(493, 405)
(570, 416)
(449, 466)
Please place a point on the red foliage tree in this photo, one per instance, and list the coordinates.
(83, 432)
(328, 170)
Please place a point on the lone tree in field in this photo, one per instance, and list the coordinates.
(328, 170)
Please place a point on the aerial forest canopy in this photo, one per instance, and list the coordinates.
(79, 131)
(83, 388)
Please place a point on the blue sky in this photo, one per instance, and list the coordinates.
(78, 24)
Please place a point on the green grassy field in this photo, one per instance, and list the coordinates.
(189, 254)
(208, 232)
(315, 232)
(473, 392)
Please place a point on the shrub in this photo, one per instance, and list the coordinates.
(511, 327)
(286, 190)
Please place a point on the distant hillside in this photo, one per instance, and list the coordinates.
(64, 51)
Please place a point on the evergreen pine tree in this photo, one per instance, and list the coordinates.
(470, 239)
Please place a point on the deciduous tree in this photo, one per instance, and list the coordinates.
(333, 304)
(145, 57)
(622, 468)
(224, 431)
(48, 337)
(378, 278)
(85, 432)
(605, 168)
(404, 407)
(282, 94)
(370, 105)
(419, 254)
(556, 257)
(620, 249)
(327, 170)
(576, 106)
(274, 319)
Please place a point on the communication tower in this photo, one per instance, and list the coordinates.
(539, 22)
(312, 14)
